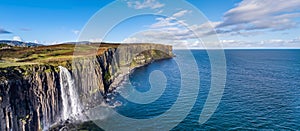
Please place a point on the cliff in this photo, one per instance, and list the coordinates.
(34, 96)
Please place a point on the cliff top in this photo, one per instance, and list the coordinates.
(11, 56)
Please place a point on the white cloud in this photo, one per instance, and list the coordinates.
(138, 39)
(248, 18)
(36, 41)
(160, 11)
(132, 40)
(173, 33)
(164, 22)
(206, 25)
(295, 41)
(236, 44)
(152, 4)
(174, 30)
(166, 28)
(55, 43)
(226, 44)
(177, 44)
(272, 43)
(271, 15)
(95, 40)
(17, 38)
(181, 13)
(170, 21)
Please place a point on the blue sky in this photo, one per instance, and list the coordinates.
(238, 23)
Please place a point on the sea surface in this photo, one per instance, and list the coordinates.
(262, 91)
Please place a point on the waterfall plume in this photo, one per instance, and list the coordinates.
(69, 94)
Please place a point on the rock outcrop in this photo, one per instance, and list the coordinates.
(31, 97)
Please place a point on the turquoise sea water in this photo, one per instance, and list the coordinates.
(262, 91)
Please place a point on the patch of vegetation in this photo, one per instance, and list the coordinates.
(107, 76)
(4, 45)
(52, 55)
(133, 63)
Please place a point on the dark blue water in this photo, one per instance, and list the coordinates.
(262, 91)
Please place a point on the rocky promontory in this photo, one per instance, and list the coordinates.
(40, 86)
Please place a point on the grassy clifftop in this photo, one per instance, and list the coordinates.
(62, 54)
(53, 54)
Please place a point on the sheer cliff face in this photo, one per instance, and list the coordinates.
(30, 96)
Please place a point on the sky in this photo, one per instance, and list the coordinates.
(190, 23)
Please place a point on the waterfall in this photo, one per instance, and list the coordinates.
(70, 99)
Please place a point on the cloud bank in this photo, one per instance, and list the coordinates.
(152, 4)
(248, 18)
(271, 15)
(17, 38)
(3, 31)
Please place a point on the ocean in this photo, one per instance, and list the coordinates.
(262, 91)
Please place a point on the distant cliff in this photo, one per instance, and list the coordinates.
(32, 97)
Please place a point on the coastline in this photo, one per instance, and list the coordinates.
(52, 87)
(122, 76)
(118, 81)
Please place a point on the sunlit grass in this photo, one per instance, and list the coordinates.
(18, 56)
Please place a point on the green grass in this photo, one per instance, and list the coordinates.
(8, 64)
(61, 54)
(53, 54)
